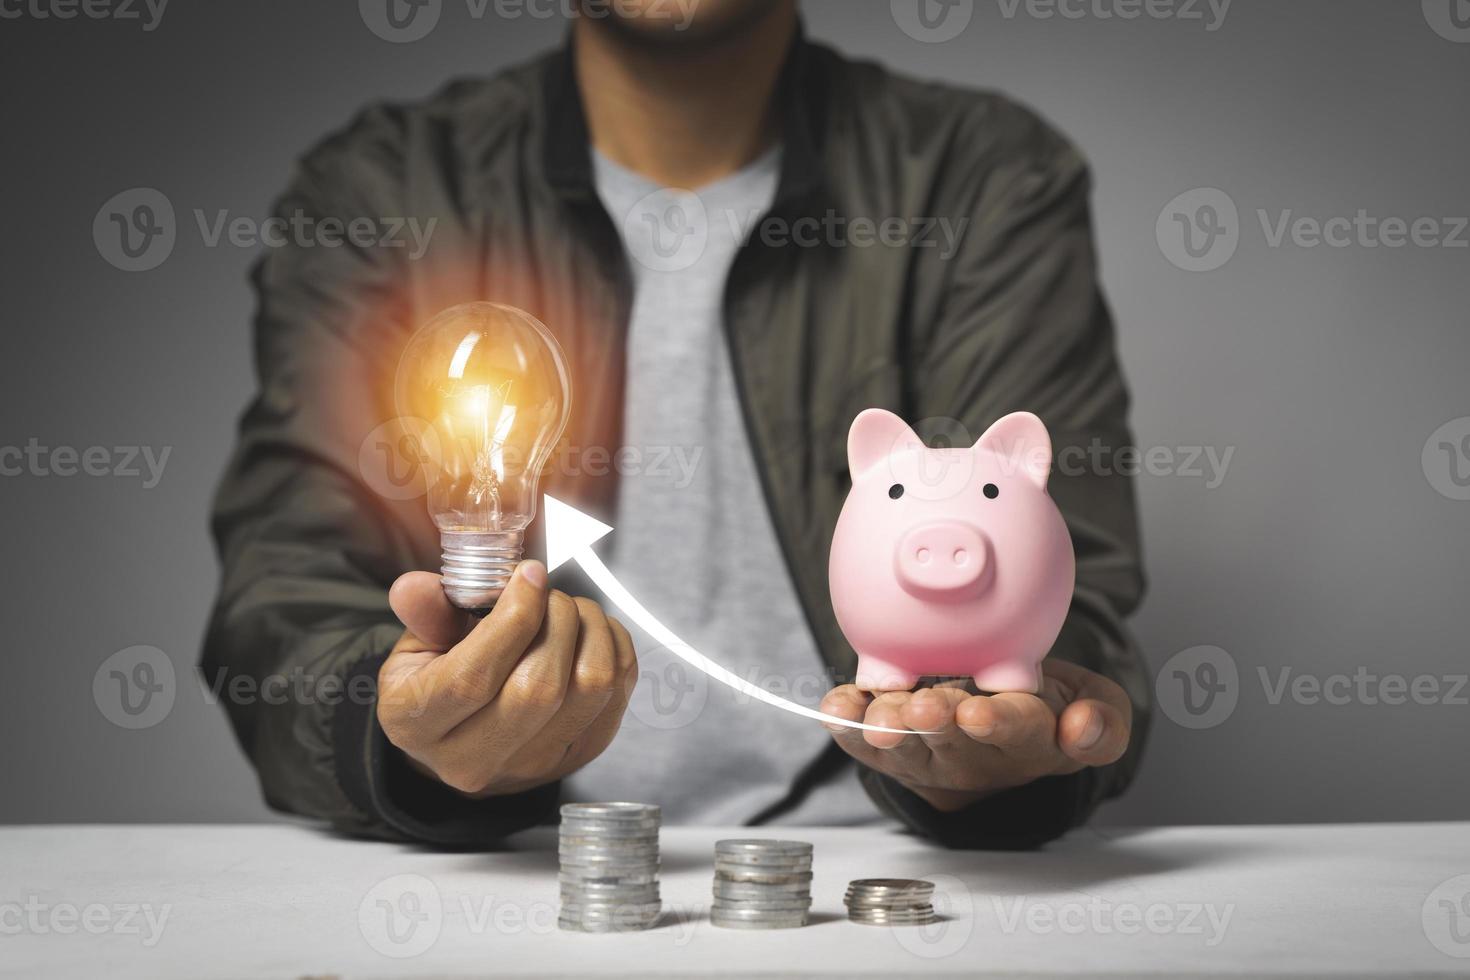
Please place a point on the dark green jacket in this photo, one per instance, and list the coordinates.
(310, 537)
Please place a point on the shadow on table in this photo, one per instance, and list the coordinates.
(1084, 860)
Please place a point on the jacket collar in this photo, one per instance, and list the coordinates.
(800, 96)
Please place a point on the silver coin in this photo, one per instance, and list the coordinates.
(604, 909)
(612, 811)
(628, 874)
(760, 846)
(757, 857)
(610, 893)
(737, 889)
(578, 924)
(610, 853)
(613, 853)
(858, 901)
(595, 876)
(762, 875)
(727, 921)
(923, 920)
(613, 823)
(607, 840)
(760, 905)
(888, 885)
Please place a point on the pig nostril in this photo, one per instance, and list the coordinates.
(923, 555)
(961, 556)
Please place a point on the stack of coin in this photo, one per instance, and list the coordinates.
(890, 901)
(762, 884)
(609, 867)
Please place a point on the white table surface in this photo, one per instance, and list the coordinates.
(288, 901)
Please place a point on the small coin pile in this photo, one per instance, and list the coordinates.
(890, 901)
(762, 884)
(609, 867)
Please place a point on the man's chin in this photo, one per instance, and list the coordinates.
(674, 24)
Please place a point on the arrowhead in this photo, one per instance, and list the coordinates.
(568, 531)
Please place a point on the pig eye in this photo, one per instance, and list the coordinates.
(990, 490)
(895, 491)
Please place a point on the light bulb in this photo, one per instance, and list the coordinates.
(485, 388)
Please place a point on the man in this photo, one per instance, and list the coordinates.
(548, 186)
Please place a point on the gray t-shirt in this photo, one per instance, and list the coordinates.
(692, 537)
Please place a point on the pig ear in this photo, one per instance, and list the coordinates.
(1022, 442)
(875, 435)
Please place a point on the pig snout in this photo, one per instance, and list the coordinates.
(942, 558)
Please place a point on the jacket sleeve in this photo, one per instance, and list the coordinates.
(1022, 325)
(307, 546)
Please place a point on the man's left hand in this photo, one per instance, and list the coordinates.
(985, 743)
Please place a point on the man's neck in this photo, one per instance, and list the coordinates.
(682, 117)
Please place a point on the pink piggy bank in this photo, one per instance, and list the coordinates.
(950, 561)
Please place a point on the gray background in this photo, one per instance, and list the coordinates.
(1327, 547)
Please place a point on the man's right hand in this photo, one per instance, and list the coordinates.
(525, 696)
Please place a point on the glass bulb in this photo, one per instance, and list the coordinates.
(485, 389)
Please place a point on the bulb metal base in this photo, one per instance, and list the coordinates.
(478, 565)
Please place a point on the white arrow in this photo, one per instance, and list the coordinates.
(570, 535)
